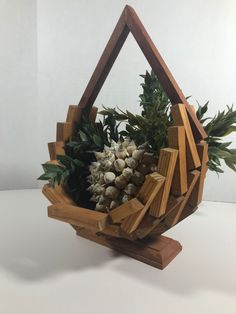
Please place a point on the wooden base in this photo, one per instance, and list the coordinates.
(155, 251)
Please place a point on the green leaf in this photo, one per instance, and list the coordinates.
(230, 130)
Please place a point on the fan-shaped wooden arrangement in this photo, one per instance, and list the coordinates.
(168, 195)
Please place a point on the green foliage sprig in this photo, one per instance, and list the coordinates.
(151, 126)
(221, 125)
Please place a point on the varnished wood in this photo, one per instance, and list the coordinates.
(125, 210)
(105, 63)
(56, 194)
(93, 114)
(78, 216)
(173, 212)
(64, 131)
(132, 222)
(148, 186)
(176, 140)
(74, 115)
(192, 179)
(196, 195)
(180, 117)
(157, 251)
(129, 21)
(166, 166)
(56, 148)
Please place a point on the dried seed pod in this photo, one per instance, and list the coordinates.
(119, 165)
(153, 167)
(100, 207)
(120, 182)
(137, 178)
(130, 189)
(114, 204)
(101, 179)
(94, 198)
(131, 148)
(148, 158)
(145, 146)
(112, 192)
(126, 142)
(121, 153)
(106, 165)
(109, 177)
(144, 169)
(125, 198)
(127, 173)
(99, 155)
(131, 162)
(109, 155)
(138, 154)
(103, 200)
(98, 189)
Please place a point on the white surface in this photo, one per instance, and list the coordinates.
(19, 112)
(46, 268)
(195, 39)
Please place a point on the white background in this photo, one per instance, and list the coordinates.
(50, 48)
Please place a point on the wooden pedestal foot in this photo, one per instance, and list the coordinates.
(155, 251)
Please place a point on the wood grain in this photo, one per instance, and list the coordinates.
(64, 131)
(93, 114)
(176, 140)
(131, 223)
(78, 216)
(125, 210)
(129, 21)
(56, 148)
(180, 117)
(196, 195)
(192, 180)
(56, 194)
(105, 63)
(166, 166)
(74, 114)
(157, 251)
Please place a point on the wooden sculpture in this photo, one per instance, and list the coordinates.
(168, 195)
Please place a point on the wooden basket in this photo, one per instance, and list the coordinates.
(168, 195)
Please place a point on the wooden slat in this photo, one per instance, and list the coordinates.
(129, 21)
(147, 224)
(125, 210)
(171, 214)
(148, 186)
(161, 70)
(166, 166)
(56, 194)
(196, 196)
(78, 216)
(114, 230)
(180, 117)
(105, 63)
(56, 148)
(131, 223)
(64, 131)
(157, 252)
(176, 139)
(74, 114)
(192, 179)
(93, 114)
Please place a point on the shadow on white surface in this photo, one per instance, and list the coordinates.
(34, 248)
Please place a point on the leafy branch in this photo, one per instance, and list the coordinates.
(221, 125)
